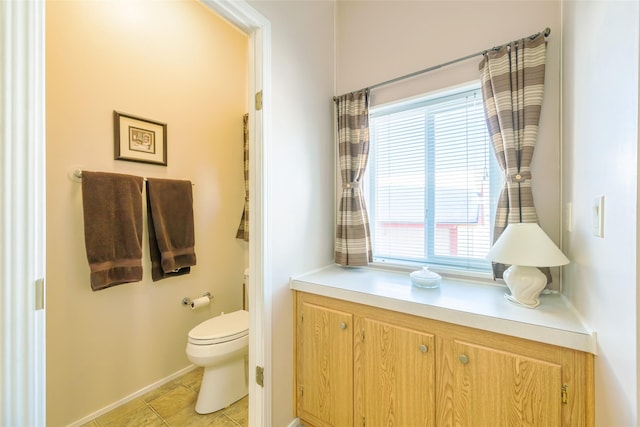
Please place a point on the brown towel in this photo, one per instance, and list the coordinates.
(170, 221)
(112, 205)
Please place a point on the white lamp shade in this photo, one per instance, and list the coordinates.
(526, 244)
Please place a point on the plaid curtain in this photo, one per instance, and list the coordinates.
(243, 229)
(353, 238)
(512, 87)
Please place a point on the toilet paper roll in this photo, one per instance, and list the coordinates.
(200, 302)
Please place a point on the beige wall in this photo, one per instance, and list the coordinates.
(171, 61)
(302, 163)
(381, 40)
(600, 144)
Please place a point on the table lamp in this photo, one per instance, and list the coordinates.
(525, 246)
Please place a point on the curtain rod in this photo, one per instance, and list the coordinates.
(546, 33)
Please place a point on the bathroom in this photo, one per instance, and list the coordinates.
(103, 56)
(105, 345)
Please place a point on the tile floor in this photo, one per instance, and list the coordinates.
(173, 405)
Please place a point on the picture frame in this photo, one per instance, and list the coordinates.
(139, 140)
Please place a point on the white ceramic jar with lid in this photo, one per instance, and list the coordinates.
(425, 278)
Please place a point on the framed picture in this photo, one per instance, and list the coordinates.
(139, 140)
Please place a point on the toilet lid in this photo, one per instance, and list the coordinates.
(225, 327)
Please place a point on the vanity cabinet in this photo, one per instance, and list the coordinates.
(354, 367)
(366, 366)
(394, 375)
(490, 387)
(325, 365)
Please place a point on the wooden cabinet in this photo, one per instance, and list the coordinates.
(364, 366)
(395, 375)
(493, 387)
(488, 379)
(325, 365)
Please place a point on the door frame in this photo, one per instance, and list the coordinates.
(258, 28)
(22, 213)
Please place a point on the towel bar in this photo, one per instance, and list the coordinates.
(75, 174)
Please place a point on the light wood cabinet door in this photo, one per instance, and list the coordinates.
(395, 372)
(362, 366)
(325, 366)
(494, 388)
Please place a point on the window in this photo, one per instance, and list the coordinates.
(433, 181)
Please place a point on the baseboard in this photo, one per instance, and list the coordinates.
(132, 396)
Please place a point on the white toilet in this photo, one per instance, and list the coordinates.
(220, 345)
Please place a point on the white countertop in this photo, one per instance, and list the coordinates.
(456, 301)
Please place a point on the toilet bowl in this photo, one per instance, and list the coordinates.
(221, 346)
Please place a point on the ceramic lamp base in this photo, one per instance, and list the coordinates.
(525, 284)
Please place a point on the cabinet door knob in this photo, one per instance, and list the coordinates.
(422, 348)
(343, 325)
(464, 359)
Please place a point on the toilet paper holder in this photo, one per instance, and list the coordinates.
(187, 300)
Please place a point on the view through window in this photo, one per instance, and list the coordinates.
(433, 181)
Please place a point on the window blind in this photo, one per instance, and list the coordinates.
(432, 181)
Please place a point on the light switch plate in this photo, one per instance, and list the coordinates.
(597, 212)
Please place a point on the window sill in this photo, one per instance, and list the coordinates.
(462, 273)
(458, 301)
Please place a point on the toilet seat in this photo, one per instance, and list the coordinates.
(223, 328)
